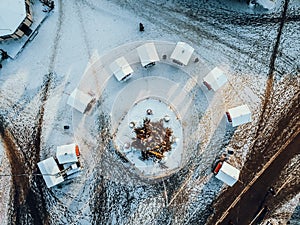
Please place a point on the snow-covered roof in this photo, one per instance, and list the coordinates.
(79, 100)
(66, 153)
(215, 78)
(228, 174)
(147, 53)
(182, 53)
(267, 4)
(49, 169)
(120, 68)
(12, 13)
(240, 115)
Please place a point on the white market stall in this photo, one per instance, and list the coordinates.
(50, 171)
(182, 53)
(148, 54)
(66, 153)
(228, 174)
(67, 156)
(121, 69)
(267, 4)
(239, 115)
(215, 79)
(80, 100)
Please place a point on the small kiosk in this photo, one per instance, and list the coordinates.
(50, 172)
(227, 173)
(80, 100)
(64, 166)
(239, 115)
(182, 53)
(121, 69)
(67, 156)
(147, 54)
(215, 79)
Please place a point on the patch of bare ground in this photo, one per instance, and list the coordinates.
(22, 141)
(26, 206)
(274, 135)
(287, 193)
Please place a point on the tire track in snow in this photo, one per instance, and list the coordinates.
(24, 207)
(270, 82)
(284, 133)
(36, 189)
(82, 26)
(199, 26)
(28, 204)
(57, 37)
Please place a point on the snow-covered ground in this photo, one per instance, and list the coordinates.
(77, 41)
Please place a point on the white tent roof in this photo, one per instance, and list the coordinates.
(147, 53)
(49, 169)
(66, 153)
(182, 53)
(79, 100)
(240, 115)
(228, 174)
(215, 78)
(267, 4)
(120, 68)
(12, 13)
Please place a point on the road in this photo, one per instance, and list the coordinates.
(257, 196)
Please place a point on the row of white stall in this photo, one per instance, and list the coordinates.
(148, 55)
(122, 70)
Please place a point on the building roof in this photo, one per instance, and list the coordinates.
(120, 68)
(147, 53)
(228, 174)
(267, 4)
(182, 53)
(66, 153)
(12, 13)
(215, 78)
(240, 115)
(49, 169)
(79, 100)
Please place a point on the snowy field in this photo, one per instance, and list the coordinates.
(73, 48)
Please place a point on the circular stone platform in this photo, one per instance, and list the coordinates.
(125, 136)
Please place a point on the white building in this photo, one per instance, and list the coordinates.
(121, 69)
(80, 100)
(215, 79)
(267, 4)
(66, 153)
(50, 171)
(239, 115)
(228, 174)
(68, 158)
(182, 53)
(15, 18)
(148, 54)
